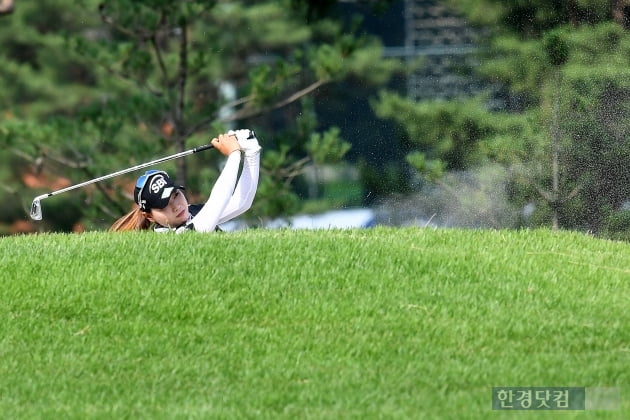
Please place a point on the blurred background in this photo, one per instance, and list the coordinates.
(454, 113)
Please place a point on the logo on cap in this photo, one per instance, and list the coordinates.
(157, 184)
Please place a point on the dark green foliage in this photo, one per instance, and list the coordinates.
(617, 226)
(556, 48)
(379, 182)
(532, 18)
(447, 134)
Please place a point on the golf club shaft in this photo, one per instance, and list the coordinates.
(35, 211)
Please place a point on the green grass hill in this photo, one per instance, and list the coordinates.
(337, 324)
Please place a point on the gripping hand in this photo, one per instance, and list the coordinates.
(247, 140)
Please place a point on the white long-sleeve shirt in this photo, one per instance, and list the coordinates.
(231, 195)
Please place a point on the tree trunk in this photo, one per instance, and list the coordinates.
(621, 12)
(178, 114)
(555, 145)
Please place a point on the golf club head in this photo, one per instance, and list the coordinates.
(36, 210)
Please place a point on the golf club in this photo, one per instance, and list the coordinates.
(36, 207)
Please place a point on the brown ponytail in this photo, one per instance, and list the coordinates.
(134, 220)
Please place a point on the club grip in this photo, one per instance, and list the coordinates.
(202, 148)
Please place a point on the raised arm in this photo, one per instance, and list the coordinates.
(245, 191)
(208, 217)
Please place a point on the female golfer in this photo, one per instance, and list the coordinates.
(161, 203)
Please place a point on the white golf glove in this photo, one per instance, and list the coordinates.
(247, 140)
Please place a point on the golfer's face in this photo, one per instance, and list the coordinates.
(175, 213)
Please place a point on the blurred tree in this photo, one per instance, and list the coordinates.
(561, 69)
(93, 86)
